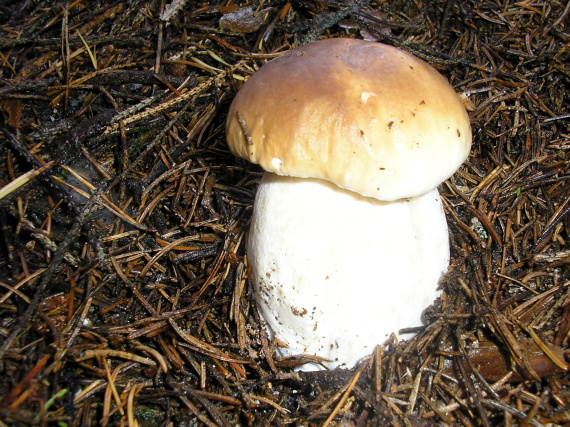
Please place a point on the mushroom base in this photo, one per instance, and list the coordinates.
(335, 273)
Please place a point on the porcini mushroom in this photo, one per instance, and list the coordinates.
(348, 237)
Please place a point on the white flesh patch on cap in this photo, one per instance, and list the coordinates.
(276, 162)
(365, 95)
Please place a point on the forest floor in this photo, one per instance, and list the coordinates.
(124, 297)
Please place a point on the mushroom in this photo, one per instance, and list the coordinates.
(348, 237)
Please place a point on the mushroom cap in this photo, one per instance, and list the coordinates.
(368, 117)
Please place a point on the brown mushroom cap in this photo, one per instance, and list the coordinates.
(368, 117)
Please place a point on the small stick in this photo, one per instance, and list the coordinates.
(243, 125)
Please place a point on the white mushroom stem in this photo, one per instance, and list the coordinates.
(335, 273)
